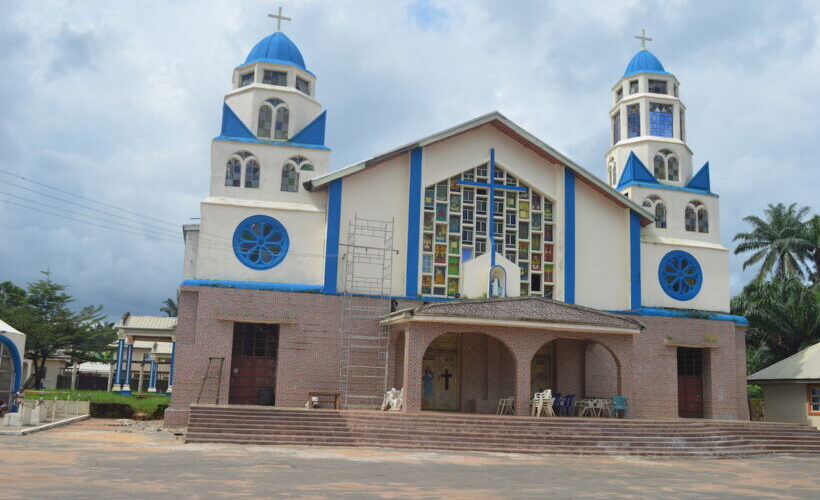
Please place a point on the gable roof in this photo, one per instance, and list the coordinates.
(805, 365)
(505, 125)
(535, 312)
(635, 171)
(701, 179)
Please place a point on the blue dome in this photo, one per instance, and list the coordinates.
(645, 62)
(278, 49)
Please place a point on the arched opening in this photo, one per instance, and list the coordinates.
(10, 369)
(581, 367)
(466, 372)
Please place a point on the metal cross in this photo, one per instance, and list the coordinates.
(642, 37)
(279, 18)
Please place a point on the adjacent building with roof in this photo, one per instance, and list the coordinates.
(791, 388)
(475, 263)
(12, 349)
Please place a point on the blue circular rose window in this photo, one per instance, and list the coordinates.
(260, 242)
(680, 275)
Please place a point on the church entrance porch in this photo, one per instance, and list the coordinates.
(253, 364)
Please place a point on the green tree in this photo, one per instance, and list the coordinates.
(169, 307)
(783, 314)
(43, 314)
(780, 241)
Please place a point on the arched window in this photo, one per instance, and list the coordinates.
(252, 173)
(653, 201)
(290, 172)
(660, 167)
(672, 168)
(233, 170)
(696, 217)
(703, 220)
(266, 126)
(610, 171)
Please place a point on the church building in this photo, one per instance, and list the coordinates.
(473, 264)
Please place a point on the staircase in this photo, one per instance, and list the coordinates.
(492, 433)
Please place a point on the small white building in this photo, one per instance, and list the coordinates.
(791, 388)
(12, 347)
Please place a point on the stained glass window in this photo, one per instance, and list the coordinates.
(660, 119)
(233, 172)
(246, 79)
(672, 165)
(616, 127)
(521, 222)
(265, 121)
(633, 120)
(282, 118)
(657, 86)
(660, 167)
(633, 86)
(690, 218)
(270, 77)
(290, 178)
(656, 205)
(703, 220)
(251, 173)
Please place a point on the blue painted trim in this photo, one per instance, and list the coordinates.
(414, 196)
(128, 363)
(253, 285)
(270, 143)
(676, 313)
(280, 62)
(665, 186)
(569, 236)
(635, 171)
(152, 380)
(690, 291)
(17, 361)
(500, 187)
(635, 259)
(171, 368)
(334, 218)
(232, 126)
(701, 179)
(491, 220)
(314, 132)
(120, 352)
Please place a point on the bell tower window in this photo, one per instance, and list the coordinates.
(660, 119)
(660, 167)
(233, 170)
(657, 87)
(659, 209)
(633, 120)
(266, 124)
(616, 127)
(633, 87)
(246, 79)
(303, 85)
(697, 217)
(279, 78)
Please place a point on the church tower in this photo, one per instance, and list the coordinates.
(684, 264)
(272, 140)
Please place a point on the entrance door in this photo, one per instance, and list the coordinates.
(690, 382)
(441, 372)
(253, 364)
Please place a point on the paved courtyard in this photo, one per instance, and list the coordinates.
(99, 459)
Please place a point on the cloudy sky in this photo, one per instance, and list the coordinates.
(117, 101)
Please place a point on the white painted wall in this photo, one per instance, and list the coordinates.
(602, 272)
(787, 402)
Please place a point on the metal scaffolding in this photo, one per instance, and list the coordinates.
(368, 278)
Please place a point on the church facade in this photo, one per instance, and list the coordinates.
(474, 264)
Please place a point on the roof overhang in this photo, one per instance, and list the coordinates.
(406, 317)
(507, 126)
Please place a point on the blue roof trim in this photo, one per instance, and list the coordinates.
(701, 179)
(314, 132)
(666, 186)
(635, 259)
(569, 236)
(635, 171)
(277, 61)
(677, 313)
(277, 48)
(232, 126)
(252, 285)
(334, 217)
(645, 62)
(270, 143)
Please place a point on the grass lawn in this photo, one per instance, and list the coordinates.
(144, 402)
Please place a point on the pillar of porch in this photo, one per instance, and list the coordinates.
(413, 354)
(117, 387)
(152, 379)
(522, 383)
(126, 387)
(171, 368)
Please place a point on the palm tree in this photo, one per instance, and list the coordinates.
(814, 237)
(784, 312)
(781, 241)
(170, 307)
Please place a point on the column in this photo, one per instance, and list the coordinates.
(118, 370)
(142, 374)
(412, 372)
(152, 379)
(522, 382)
(171, 368)
(126, 387)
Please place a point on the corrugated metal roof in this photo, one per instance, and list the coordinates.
(149, 323)
(805, 365)
(7, 328)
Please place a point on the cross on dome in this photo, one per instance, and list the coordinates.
(642, 37)
(279, 18)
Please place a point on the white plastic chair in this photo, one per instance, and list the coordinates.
(506, 406)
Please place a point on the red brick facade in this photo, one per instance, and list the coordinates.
(494, 364)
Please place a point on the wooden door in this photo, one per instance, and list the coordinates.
(253, 363)
(440, 375)
(690, 382)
